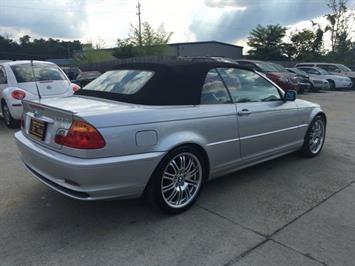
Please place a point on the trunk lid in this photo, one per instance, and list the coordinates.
(45, 118)
(48, 88)
(42, 122)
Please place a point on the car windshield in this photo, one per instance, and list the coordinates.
(344, 68)
(89, 75)
(278, 67)
(39, 72)
(322, 71)
(121, 81)
(266, 67)
(299, 71)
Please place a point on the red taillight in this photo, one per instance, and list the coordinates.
(75, 87)
(18, 94)
(81, 135)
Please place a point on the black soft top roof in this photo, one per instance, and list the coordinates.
(175, 82)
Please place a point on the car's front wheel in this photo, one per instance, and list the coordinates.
(178, 180)
(314, 89)
(9, 120)
(315, 137)
(331, 85)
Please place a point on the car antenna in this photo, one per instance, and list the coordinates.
(34, 76)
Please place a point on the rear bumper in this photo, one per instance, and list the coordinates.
(88, 179)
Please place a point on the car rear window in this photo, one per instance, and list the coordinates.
(39, 72)
(121, 81)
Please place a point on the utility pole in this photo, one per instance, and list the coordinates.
(139, 23)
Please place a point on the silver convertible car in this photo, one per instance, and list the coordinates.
(162, 129)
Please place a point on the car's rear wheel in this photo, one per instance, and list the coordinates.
(10, 122)
(178, 180)
(315, 137)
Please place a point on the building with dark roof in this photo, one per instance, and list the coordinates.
(208, 48)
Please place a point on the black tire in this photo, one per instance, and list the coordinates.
(10, 122)
(314, 89)
(154, 191)
(306, 150)
(331, 85)
(300, 90)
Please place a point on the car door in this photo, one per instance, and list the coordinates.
(221, 129)
(266, 123)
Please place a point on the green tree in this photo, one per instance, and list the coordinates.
(266, 42)
(307, 44)
(91, 55)
(339, 25)
(150, 42)
(28, 48)
(25, 40)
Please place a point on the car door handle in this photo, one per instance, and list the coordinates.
(244, 112)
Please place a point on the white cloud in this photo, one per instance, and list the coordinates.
(107, 20)
(44, 18)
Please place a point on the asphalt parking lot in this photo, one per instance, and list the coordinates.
(289, 211)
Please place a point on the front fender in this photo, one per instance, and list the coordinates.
(316, 111)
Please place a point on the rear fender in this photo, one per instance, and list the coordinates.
(6, 96)
(180, 138)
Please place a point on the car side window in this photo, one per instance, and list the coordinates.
(247, 86)
(314, 71)
(3, 79)
(214, 90)
(330, 68)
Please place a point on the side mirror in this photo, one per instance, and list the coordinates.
(290, 96)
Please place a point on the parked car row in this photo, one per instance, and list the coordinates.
(305, 76)
(335, 69)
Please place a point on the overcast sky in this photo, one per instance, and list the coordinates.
(190, 20)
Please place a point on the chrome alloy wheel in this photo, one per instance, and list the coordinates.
(182, 179)
(316, 137)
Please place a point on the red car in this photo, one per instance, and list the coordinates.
(275, 72)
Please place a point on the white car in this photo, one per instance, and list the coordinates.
(336, 69)
(319, 84)
(335, 81)
(29, 80)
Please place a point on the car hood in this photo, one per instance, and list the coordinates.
(350, 74)
(282, 74)
(306, 104)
